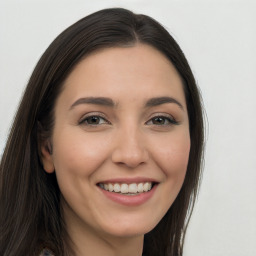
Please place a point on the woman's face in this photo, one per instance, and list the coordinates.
(120, 142)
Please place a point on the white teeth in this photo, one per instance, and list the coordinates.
(110, 187)
(117, 188)
(133, 188)
(146, 186)
(124, 188)
(140, 187)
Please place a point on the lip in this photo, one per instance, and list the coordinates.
(128, 200)
(129, 180)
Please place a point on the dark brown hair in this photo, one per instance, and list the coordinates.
(30, 209)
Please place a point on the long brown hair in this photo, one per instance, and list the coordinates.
(30, 198)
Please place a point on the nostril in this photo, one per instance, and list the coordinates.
(129, 159)
(129, 151)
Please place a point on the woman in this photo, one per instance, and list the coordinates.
(105, 152)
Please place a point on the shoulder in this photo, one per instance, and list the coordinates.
(46, 252)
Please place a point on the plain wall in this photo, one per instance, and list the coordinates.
(219, 40)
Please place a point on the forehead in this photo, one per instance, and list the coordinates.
(132, 72)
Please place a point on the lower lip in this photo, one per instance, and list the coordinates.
(130, 200)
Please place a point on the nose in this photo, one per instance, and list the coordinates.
(130, 149)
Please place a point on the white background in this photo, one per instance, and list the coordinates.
(219, 40)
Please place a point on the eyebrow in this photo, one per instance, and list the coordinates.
(103, 101)
(162, 100)
(95, 101)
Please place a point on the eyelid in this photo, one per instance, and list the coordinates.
(169, 117)
(93, 114)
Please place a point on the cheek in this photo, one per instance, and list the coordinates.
(173, 153)
(172, 158)
(77, 157)
(78, 154)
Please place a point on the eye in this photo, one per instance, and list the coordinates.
(94, 120)
(162, 120)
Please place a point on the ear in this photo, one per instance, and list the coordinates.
(46, 156)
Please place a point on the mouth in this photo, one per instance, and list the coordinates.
(131, 189)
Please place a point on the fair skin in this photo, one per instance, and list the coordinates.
(121, 118)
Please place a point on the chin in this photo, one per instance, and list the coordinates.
(128, 229)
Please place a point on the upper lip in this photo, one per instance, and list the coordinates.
(129, 180)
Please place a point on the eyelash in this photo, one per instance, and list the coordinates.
(170, 120)
(99, 117)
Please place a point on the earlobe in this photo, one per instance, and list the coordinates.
(46, 156)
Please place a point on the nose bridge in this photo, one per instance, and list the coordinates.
(130, 148)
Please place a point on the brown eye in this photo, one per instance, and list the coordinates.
(162, 120)
(94, 120)
(159, 120)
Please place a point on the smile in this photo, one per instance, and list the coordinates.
(127, 189)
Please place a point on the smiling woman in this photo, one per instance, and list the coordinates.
(107, 142)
